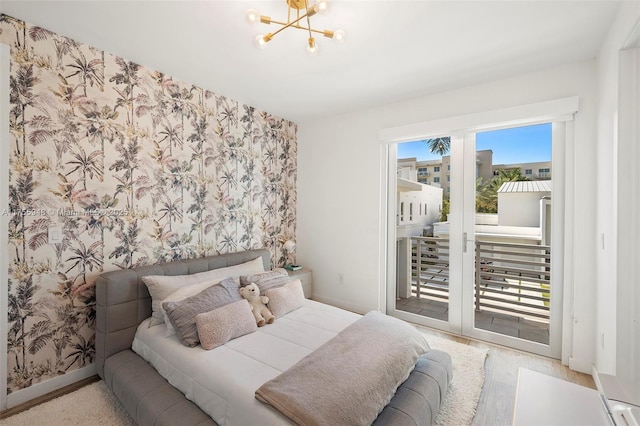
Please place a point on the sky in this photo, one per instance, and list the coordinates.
(518, 145)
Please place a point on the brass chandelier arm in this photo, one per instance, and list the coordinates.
(294, 23)
(308, 23)
(326, 33)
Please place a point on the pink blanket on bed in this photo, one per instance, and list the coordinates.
(351, 378)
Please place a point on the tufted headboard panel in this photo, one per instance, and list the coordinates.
(123, 302)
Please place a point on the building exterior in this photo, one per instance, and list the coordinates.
(519, 202)
(438, 172)
(419, 205)
(534, 171)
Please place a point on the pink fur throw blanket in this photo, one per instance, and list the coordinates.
(351, 378)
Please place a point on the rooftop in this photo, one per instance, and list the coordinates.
(526, 186)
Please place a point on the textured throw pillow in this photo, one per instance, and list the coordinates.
(217, 327)
(191, 290)
(161, 286)
(182, 314)
(285, 299)
(266, 280)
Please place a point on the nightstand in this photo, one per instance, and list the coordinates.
(305, 277)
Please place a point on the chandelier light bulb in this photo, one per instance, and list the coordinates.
(322, 6)
(261, 42)
(338, 35)
(252, 16)
(312, 48)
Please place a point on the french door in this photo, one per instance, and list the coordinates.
(482, 275)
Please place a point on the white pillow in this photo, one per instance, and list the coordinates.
(162, 286)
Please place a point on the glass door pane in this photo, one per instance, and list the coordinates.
(422, 241)
(512, 232)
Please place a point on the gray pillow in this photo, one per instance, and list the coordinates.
(266, 280)
(182, 314)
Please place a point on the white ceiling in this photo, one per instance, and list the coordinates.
(393, 50)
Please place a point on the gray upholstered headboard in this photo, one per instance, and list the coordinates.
(123, 302)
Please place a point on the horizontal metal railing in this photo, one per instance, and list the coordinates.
(510, 278)
(430, 267)
(513, 278)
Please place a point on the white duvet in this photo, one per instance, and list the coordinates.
(223, 381)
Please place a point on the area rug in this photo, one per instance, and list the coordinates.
(96, 405)
(460, 403)
(93, 404)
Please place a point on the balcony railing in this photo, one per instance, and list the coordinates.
(513, 279)
(430, 267)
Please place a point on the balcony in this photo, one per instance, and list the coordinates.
(511, 285)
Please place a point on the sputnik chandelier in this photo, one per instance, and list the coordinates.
(299, 13)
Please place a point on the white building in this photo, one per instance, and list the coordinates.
(419, 205)
(519, 203)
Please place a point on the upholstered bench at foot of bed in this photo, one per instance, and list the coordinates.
(147, 396)
(152, 401)
(417, 400)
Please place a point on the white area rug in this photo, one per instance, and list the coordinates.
(91, 405)
(96, 405)
(460, 403)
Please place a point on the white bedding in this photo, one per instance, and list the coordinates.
(223, 381)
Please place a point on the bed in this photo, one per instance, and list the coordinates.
(124, 304)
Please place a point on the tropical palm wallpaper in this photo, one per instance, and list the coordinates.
(122, 166)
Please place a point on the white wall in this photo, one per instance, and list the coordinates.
(338, 234)
(605, 238)
(519, 208)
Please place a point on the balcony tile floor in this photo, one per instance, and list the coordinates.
(510, 325)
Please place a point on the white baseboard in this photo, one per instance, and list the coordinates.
(581, 365)
(43, 388)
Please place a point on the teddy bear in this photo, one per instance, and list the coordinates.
(258, 304)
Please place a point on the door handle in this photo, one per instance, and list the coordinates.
(465, 240)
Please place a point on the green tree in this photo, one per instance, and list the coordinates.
(487, 192)
(446, 205)
(440, 146)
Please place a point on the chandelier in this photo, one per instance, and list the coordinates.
(299, 13)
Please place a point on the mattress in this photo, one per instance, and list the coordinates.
(223, 381)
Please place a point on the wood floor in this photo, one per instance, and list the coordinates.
(501, 375)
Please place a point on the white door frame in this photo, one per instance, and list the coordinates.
(556, 111)
(628, 206)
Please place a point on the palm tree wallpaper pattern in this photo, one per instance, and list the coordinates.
(132, 167)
